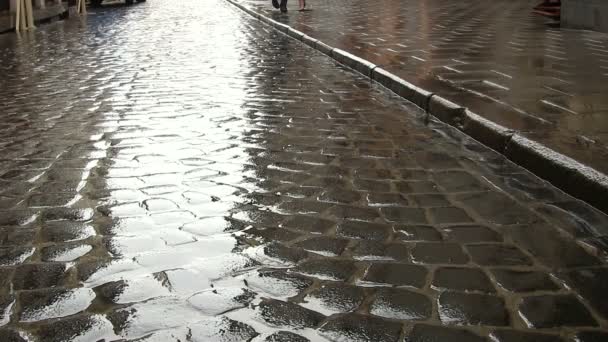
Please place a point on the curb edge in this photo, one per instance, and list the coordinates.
(565, 173)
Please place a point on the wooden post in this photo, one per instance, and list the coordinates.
(18, 16)
(81, 7)
(24, 15)
(29, 10)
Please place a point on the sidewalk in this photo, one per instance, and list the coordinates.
(494, 57)
(216, 180)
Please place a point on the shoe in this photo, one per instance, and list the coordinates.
(283, 9)
(275, 3)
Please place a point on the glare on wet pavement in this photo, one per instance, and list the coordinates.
(179, 171)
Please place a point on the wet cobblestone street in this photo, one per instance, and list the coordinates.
(496, 58)
(177, 171)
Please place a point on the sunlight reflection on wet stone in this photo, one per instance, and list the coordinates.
(236, 185)
(47, 304)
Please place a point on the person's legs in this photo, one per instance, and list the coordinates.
(283, 6)
(275, 3)
(302, 4)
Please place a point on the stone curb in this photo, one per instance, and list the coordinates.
(563, 172)
(359, 64)
(399, 86)
(487, 132)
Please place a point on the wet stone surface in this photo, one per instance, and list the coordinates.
(401, 304)
(472, 309)
(514, 335)
(559, 310)
(462, 279)
(354, 327)
(236, 185)
(546, 81)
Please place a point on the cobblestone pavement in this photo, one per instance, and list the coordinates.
(176, 171)
(495, 57)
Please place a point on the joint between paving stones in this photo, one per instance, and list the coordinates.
(574, 178)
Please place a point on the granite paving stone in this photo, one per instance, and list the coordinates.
(339, 270)
(417, 233)
(288, 314)
(324, 244)
(550, 248)
(555, 310)
(591, 336)
(462, 279)
(363, 230)
(591, 284)
(335, 298)
(286, 336)
(439, 253)
(444, 215)
(472, 309)
(396, 274)
(401, 304)
(524, 281)
(424, 332)
(356, 327)
(497, 254)
(34, 276)
(471, 234)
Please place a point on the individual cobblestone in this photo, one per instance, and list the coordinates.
(462, 279)
(53, 303)
(554, 250)
(472, 234)
(496, 254)
(423, 332)
(236, 185)
(286, 336)
(558, 310)
(417, 233)
(327, 269)
(524, 281)
(591, 336)
(324, 244)
(35, 276)
(363, 230)
(355, 327)
(288, 314)
(401, 304)
(472, 309)
(396, 274)
(335, 298)
(590, 283)
(439, 253)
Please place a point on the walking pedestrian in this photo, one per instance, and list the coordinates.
(282, 5)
